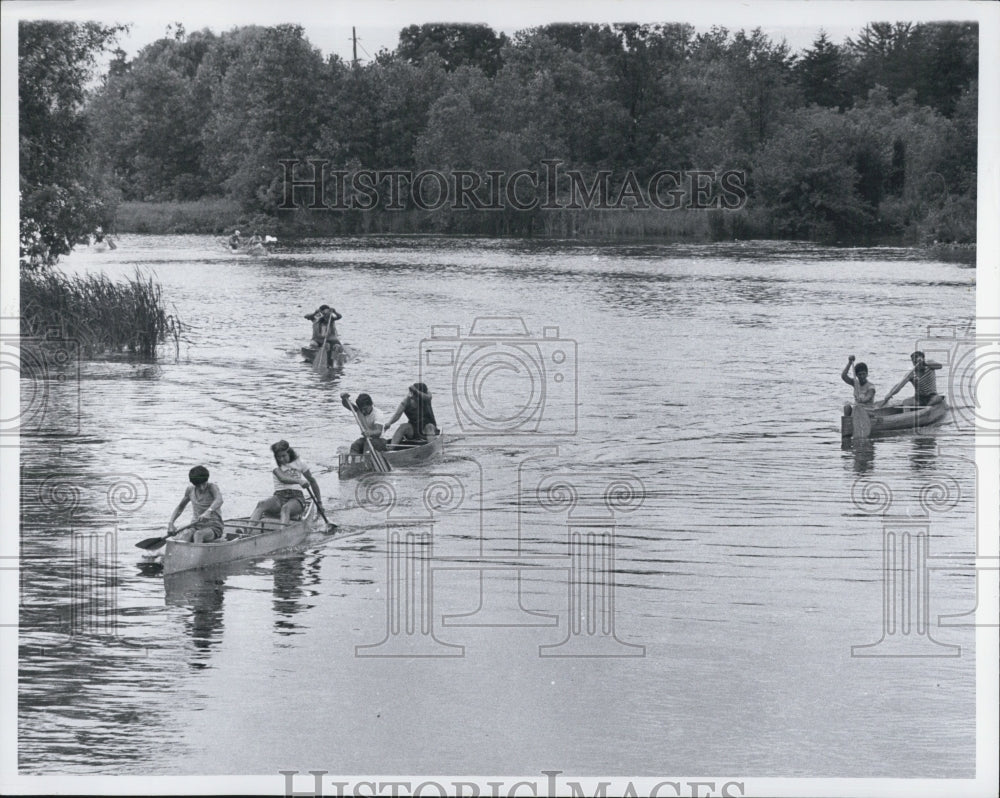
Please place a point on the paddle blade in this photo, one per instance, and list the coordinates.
(319, 362)
(862, 423)
(151, 544)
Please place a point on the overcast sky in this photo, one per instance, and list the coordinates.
(328, 22)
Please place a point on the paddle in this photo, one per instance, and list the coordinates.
(378, 460)
(329, 526)
(320, 361)
(862, 422)
(151, 544)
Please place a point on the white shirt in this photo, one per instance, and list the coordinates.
(295, 469)
(375, 418)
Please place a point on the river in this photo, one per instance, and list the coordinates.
(644, 550)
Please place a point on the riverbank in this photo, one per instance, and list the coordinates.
(220, 216)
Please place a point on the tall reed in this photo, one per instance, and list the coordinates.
(99, 315)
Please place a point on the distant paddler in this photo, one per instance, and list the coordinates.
(924, 383)
(324, 321)
(235, 242)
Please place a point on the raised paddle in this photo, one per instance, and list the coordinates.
(380, 463)
(151, 544)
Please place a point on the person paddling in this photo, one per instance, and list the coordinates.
(419, 416)
(235, 241)
(324, 325)
(205, 499)
(371, 420)
(924, 383)
(290, 476)
(864, 391)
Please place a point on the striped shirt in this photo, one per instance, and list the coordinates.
(924, 384)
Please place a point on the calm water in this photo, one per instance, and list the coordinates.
(697, 386)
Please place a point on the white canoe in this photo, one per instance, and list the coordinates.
(241, 542)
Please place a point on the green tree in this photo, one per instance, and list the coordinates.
(821, 70)
(455, 44)
(63, 197)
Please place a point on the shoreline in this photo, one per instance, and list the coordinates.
(221, 216)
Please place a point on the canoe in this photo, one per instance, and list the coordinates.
(241, 542)
(339, 355)
(897, 418)
(402, 456)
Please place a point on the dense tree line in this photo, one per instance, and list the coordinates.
(873, 137)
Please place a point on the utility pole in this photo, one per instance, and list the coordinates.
(354, 40)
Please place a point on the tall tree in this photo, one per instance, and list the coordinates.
(63, 197)
(456, 45)
(821, 71)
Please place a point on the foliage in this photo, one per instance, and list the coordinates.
(872, 136)
(63, 195)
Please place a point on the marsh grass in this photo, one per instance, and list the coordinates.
(101, 316)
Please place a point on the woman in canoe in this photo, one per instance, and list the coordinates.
(205, 499)
(324, 325)
(420, 421)
(290, 476)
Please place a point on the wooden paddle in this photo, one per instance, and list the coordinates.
(151, 544)
(380, 463)
(862, 423)
(329, 526)
(319, 362)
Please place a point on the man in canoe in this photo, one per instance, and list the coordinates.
(290, 476)
(420, 421)
(864, 391)
(924, 383)
(372, 422)
(205, 499)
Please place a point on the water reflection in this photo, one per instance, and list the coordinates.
(863, 451)
(923, 453)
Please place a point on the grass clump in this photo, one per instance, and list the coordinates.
(101, 316)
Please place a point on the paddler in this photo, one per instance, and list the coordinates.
(235, 240)
(290, 476)
(924, 383)
(324, 321)
(205, 499)
(864, 391)
(371, 420)
(420, 421)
